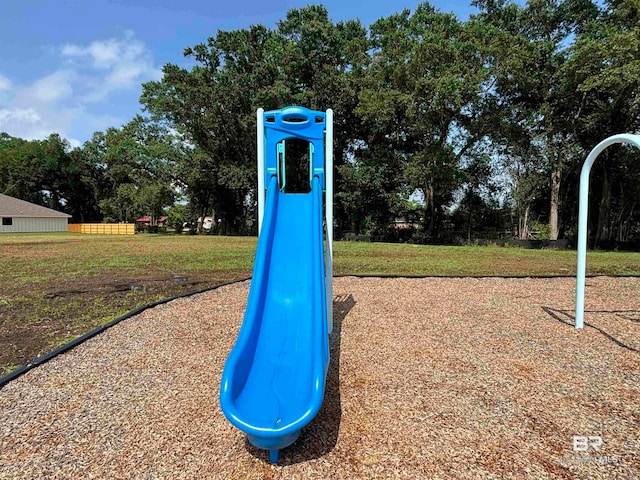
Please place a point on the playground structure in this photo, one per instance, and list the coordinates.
(583, 216)
(274, 378)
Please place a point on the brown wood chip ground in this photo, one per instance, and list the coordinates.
(429, 378)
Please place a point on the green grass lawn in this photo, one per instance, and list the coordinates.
(54, 287)
(403, 259)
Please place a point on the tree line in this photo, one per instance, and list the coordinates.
(453, 129)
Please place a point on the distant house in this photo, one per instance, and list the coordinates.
(18, 216)
(207, 223)
(146, 221)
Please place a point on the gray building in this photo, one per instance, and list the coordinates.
(18, 216)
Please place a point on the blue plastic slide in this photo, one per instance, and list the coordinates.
(274, 379)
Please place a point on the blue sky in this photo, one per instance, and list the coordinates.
(76, 66)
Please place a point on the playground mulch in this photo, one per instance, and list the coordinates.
(429, 378)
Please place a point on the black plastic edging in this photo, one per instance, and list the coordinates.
(542, 276)
(101, 328)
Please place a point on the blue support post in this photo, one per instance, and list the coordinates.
(274, 456)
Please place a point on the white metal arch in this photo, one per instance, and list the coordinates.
(583, 214)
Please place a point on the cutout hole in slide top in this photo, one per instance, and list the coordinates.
(294, 118)
(294, 165)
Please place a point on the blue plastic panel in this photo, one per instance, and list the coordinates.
(295, 122)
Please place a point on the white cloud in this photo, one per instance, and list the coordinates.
(49, 89)
(40, 108)
(5, 83)
(105, 54)
(124, 75)
(70, 50)
(37, 123)
(102, 53)
(124, 63)
(81, 95)
(11, 115)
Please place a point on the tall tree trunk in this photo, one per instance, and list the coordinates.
(555, 201)
(429, 210)
(524, 225)
(469, 225)
(625, 225)
(603, 233)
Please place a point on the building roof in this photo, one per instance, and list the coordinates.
(147, 219)
(14, 207)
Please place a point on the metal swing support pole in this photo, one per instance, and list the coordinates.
(583, 216)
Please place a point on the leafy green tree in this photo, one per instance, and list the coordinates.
(122, 205)
(529, 54)
(308, 60)
(424, 97)
(603, 75)
(370, 193)
(324, 64)
(47, 172)
(136, 167)
(212, 106)
(18, 167)
(426, 107)
(478, 196)
(177, 216)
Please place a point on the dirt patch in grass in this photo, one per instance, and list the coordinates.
(37, 317)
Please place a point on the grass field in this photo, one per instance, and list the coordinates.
(54, 287)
